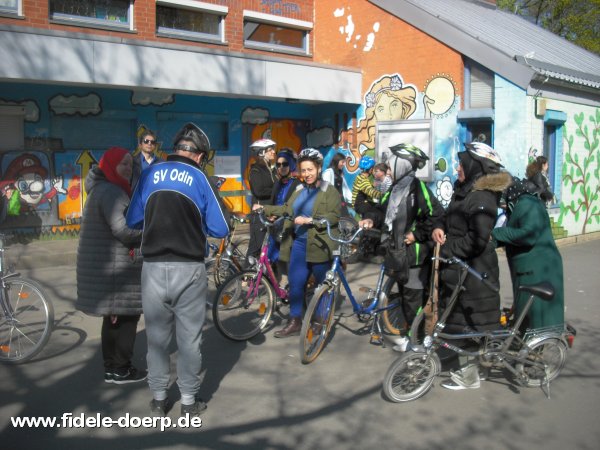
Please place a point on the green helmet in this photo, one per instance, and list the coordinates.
(411, 153)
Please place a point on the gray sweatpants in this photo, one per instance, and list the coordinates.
(174, 303)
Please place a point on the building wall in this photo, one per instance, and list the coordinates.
(36, 15)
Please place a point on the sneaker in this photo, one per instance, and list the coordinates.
(132, 375)
(401, 344)
(455, 385)
(467, 376)
(158, 408)
(109, 377)
(195, 409)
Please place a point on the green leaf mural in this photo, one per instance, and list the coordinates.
(578, 169)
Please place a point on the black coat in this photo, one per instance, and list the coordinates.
(262, 180)
(468, 223)
(542, 187)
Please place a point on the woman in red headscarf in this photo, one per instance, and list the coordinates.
(108, 277)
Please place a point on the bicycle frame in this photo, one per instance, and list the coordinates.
(264, 266)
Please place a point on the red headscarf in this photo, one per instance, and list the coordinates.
(108, 165)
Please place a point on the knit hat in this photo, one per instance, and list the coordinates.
(108, 165)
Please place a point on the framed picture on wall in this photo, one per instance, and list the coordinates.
(416, 132)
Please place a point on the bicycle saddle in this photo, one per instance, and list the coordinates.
(543, 290)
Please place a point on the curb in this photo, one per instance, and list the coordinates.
(43, 254)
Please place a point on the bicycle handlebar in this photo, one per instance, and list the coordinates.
(336, 239)
(261, 216)
(480, 276)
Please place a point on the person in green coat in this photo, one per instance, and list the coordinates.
(305, 243)
(532, 254)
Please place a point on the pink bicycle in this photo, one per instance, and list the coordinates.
(246, 300)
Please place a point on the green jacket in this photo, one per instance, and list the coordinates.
(533, 257)
(328, 205)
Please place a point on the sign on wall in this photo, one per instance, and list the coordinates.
(416, 132)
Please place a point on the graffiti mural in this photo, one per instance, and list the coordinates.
(581, 172)
(439, 96)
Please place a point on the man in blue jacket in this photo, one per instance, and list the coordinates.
(177, 208)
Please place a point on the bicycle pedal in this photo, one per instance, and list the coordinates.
(376, 339)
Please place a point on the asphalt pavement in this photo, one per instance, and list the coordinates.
(261, 397)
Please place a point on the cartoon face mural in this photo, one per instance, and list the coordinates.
(27, 176)
(387, 99)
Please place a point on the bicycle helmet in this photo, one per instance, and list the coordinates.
(192, 133)
(311, 154)
(366, 163)
(479, 158)
(411, 153)
(261, 146)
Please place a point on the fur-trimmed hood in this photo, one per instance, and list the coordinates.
(495, 182)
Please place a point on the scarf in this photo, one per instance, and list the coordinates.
(108, 165)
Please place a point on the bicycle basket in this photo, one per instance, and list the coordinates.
(347, 227)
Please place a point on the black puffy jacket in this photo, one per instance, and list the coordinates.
(468, 223)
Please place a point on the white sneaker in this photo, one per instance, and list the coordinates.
(458, 386)
(402, 344)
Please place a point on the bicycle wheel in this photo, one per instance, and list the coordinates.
(241, 309)
(411, 376)
(393, 317)
(216, 278)
(552, 353)
(222, 271)
(27, 324)
(239, 250)
(317, 323)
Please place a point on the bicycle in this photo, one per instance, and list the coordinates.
(227, 258)
(318, 319)
(534, 359)
(246, 300)
(27, 317)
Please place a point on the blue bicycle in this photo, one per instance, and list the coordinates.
(381, 305)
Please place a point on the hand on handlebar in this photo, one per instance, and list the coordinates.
(366, 223)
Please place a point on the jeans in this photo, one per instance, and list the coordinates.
(174, 303)
(299, 271)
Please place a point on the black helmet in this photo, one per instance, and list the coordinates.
(411, 153)
(193, 133)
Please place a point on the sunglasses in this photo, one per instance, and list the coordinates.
(149, 141)
(283, 164)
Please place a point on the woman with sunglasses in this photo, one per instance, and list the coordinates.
(304, 243)
(145, 155)
(284, 187)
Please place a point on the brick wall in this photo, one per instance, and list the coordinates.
(356, 33)
(36, 15)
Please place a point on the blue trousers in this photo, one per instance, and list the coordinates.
(299, 271)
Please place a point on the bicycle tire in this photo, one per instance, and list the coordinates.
(411, 376)
(392, 318)
(25, 334)
(215, 280)
(417, 328)
(240, 250)
(222, 271)
(317, 323)
(553, 353)
(238, 317)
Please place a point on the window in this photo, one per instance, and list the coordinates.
(184, 19)
(112, 14)
(12, 127)
(11, 7)
(275, 33)
(479, 86)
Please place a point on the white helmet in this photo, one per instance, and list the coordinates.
(262, 145)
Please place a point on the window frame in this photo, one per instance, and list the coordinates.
(209, 8)
(468, 65)
(92, 22)
(553, 149)
(284, 22)
(16, 12)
